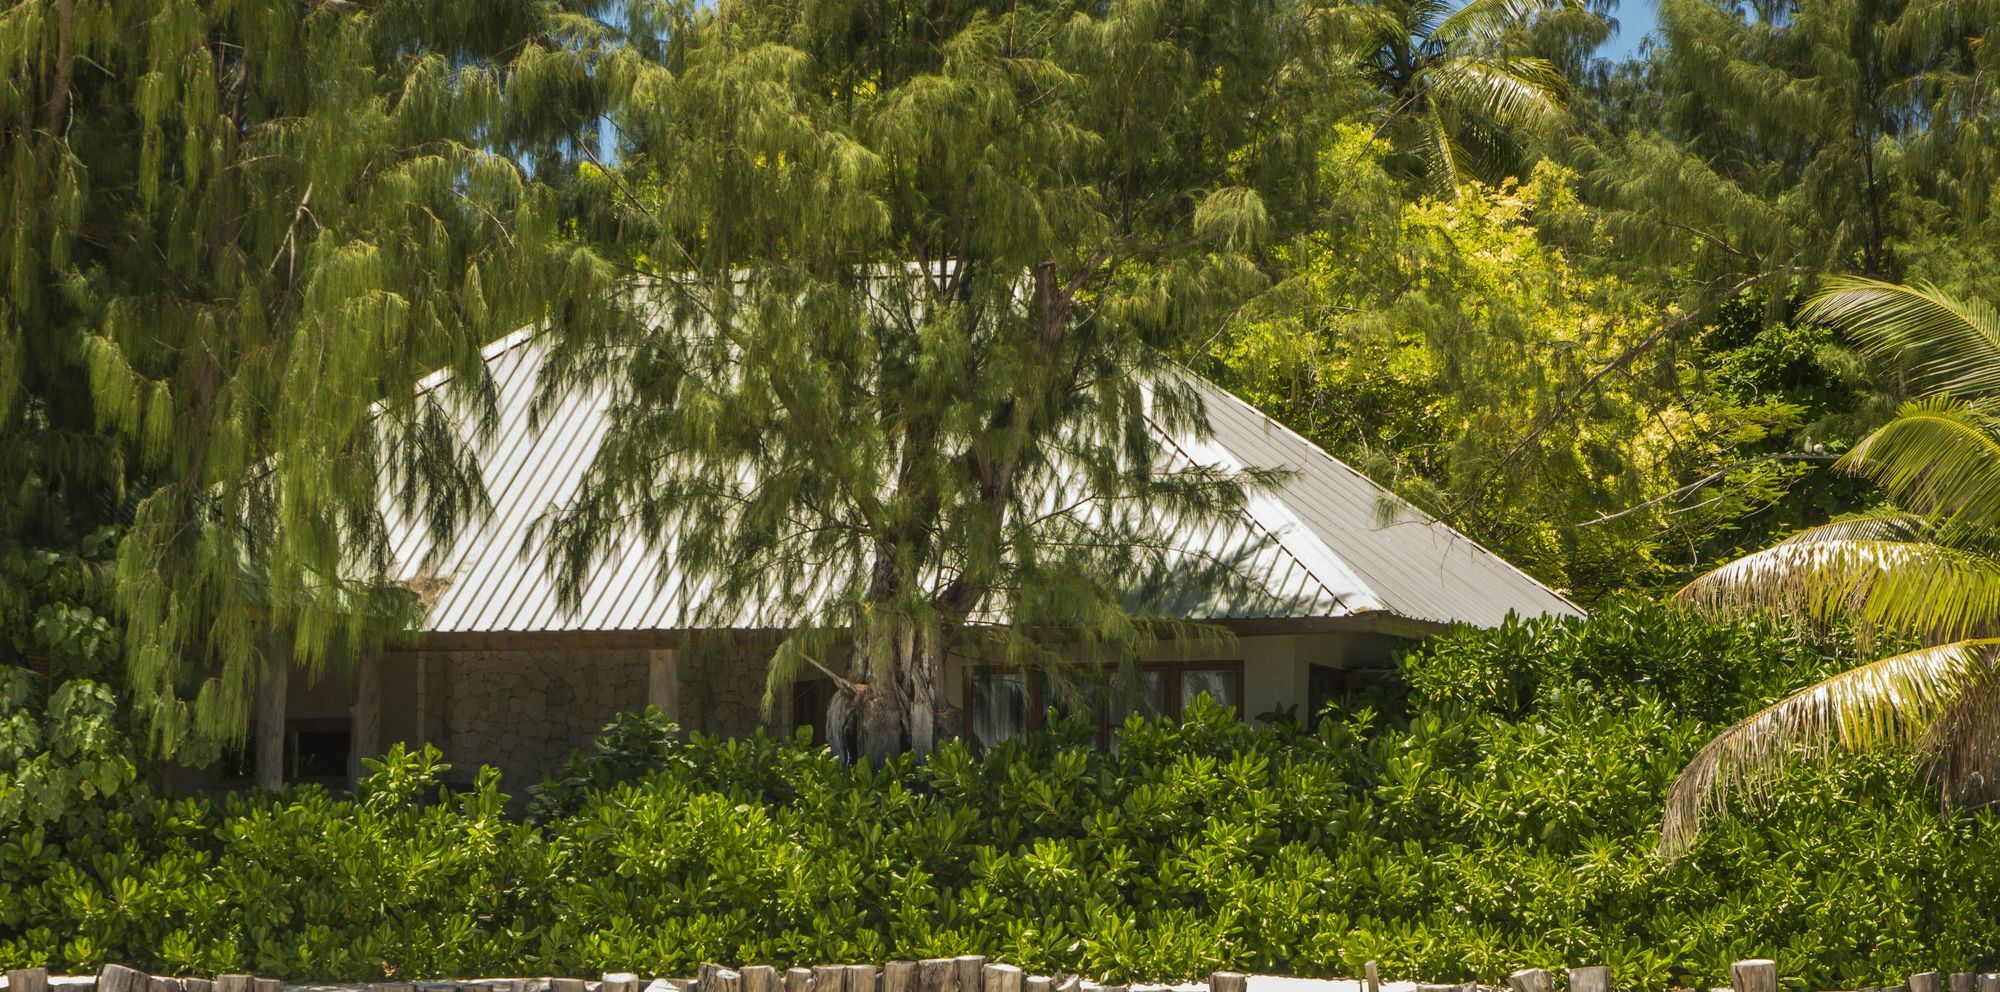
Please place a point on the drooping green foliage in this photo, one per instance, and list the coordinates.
(895, 371)
(1784, 139)
(236, 235)
(1495, 810)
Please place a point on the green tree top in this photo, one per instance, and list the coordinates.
(236, 234)
(913, 270)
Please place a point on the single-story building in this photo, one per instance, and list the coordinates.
(503, 676)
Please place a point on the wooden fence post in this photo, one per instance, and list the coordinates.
(1001, 978)
(1039, 983)
(28, 980)
(1596, 978)
(118, 978)
(1371, 978)
(1989, 981)
(195, 985)
(798, 979)
(1755, 975)
(899, 976)
(861, 978)
(568, 985)
(1228, 981)
(760, 978)
(1924, 981)
(968, 972)
(1962, 981)
(936, 974)
(829, 978)
(1533, 980)
(235, 983)
(266, 985)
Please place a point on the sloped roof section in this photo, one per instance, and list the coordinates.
(1414, 566)
(1317, 547)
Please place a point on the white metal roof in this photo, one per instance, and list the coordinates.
(1317, 546)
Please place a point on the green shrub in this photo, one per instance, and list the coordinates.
(1502, 816)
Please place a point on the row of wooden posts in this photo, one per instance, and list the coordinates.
(1754, 975)
(968, 973)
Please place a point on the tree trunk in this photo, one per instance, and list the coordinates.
(879, 714)
(663, 682)
(365, 723)
(271, 694)
(926, 685)
(899, 683)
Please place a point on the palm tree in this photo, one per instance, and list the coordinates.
(1927, 565)
(1456, 94)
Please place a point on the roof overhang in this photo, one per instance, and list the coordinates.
(1377, 622)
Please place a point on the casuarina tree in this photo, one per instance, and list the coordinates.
(907, 276)
(236, 234)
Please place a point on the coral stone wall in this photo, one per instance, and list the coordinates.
(523, 712)
(722, 693)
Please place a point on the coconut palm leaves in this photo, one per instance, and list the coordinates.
(1927, 697)
(1928, 566)
(1457, 94)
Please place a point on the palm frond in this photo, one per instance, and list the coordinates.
(1962, 748)
(1938, 457)
(1882, 569)
(1486, 20)
(1948, 345)
(1892, 701)
(1446, 166)
(1512, 92)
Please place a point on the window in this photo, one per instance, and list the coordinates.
(1004, 705)
(1326, 684)
(315, 751)
(810, 698)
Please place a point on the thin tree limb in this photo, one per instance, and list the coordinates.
(1786, 456)
(1625, 358)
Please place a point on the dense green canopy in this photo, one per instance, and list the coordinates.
(235, 234)
(914, 281)
(1550, 299)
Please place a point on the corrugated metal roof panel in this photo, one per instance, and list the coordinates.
(1416, 567)
(1315, 547)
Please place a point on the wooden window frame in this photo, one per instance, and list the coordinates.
(1038, 701)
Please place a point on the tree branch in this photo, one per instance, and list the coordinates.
(1786, 456)
(1625, 358)
(58, 104)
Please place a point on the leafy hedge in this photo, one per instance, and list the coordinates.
(1502, 817)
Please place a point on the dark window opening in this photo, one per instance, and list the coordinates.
(810, 698)
(1005, 705)
(1326, 684)
(315, 751)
